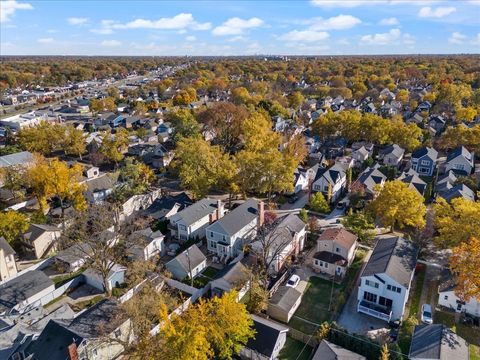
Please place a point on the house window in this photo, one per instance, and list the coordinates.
(182, 227)
(224, 238)
(425, 162)
(118, 333)
(459, 166)
(372, 283)
(369, 297)
(445, 297)
(337, 250)
(394, 288)
(326, 265)
(213, 244)
(211, 233)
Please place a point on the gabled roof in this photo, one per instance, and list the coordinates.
(37, 230)
(195, 257)
(5, 246)
(394, 256)
(329, 351)
(266, 336)
(437, 342)
(285, 297)
(340, 236)
(370, 178)
(425, 151)
(332, 174)
(237, 219)
(163, 205)
(460, 151)
(196, 211)
(22, 287)
(394, 150)
(413, 180)
(459, 190)
(19, 158)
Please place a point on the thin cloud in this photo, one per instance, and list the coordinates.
(111, 43)
(439, 12)
(381, 39)
(9, 7)
(77, 20)
(236, 26)
(339, 22)
(392, 21)
(457, 38)
(305, 36)
(45, 40)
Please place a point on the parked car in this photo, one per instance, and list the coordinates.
(427, 314)
(293, 199)
(293, 281)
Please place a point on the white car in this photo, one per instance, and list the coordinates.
(427, 314)
(293, 281)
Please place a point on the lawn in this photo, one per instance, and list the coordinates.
(210, 272)
(292, 349)
(472, 335)
(314, 306)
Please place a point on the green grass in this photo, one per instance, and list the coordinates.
(472, 335)
(292, 349)
(474, 352)
(314, 306)
(86, 304)
(62, 279)
(210, 272)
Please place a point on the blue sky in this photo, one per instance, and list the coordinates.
(315, 27)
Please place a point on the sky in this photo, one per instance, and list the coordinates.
(281, 27)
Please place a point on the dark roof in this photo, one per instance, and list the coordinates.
(459, 151)
(166, 203)
(237, 219)
(330, 258)
(5, 246)
(329, 351)
(457, 191)
(22, 287)
(436, 341)
(394, 256)
(53, 342)
(266, 336)
(430, 152)
(332, 174)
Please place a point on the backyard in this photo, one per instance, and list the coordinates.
(318, 302)
(292, 349)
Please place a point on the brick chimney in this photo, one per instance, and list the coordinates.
(219, 209)
(261, 214)
(72, 351)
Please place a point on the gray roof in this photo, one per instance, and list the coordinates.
(101, 183)
(233, 275)
(19, 158)
(37, 230)
(460, 151)
(266, 336)
(412, 179)
(371, 177)
(394, 149)
(22, 287)
(457, 191)
(5, 246)
(237, 219)
(195, 256)
(285, 297)
(425, 151)
(196, 211)
(74, 253)
(329, 351)
(394, 256)
(436, 341)
(332, 174)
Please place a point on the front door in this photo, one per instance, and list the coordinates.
(339, 270)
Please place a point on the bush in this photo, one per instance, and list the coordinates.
(318, 203)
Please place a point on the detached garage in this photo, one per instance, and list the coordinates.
(284, 303)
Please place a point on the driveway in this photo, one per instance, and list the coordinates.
(332, 218)
(297, 205)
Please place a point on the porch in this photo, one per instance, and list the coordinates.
(375, 310)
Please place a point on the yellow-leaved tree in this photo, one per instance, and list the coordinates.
(456, 222)
(397, 205)
(465, 266)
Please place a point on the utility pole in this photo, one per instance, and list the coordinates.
(189, 267)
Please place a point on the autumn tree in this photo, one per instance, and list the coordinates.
(318, 203)
(456, 222)
(465, 266)
(185, 97)
(362, 225)
(136, 176)
(384, 353)
(296, 99)
(102, 105)
(240, 95)
(398, 205)
(13, 179)
(184, 123)
(323, 331)
(461, 135)
(74, 142)
(44, 138)
(12, 225)
(48, 178)
(114, 146)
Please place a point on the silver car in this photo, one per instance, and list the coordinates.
(427, 317)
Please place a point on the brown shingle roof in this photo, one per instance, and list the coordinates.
(340, 235)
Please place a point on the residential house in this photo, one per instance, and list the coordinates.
(448, 299)
(187, 264)
(227, 236)
(24, 290)
(360, 156)
(329, 351)
(437, 342)
(413, 181)
(331, 182)
(233, 276)
(424, 106)
(437, 123)
(370, 181)
(456, 191)
(300, 181)
(98, 333)
(367, 145)
(99, 187)
(392, 155)
(285, 240)
(424, 160)
(167, 206)
(461, 161)
(268, 341)
(115, 278)
(336, 249)
(8, 266)
(74, 257)
(159, 158)
(283, 304)
(22, 158)
(40, 239)
(192, 221)
(386, 279)
(146, 243)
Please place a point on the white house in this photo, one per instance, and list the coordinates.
(41, 239)
(8, 266)
(192, 221)
(300, 181)
(331, 180)
(189, 263)
(386, 279)
(461, 161)
(229, 233)
(371, 180)
(116, 277)
(448, 299)
(146, 243)
(392, 155)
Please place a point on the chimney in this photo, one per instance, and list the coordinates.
(219, 209)
(72, 351)
(261, 214)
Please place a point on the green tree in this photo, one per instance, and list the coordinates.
(137, 176)
(318, 203)
(296, 99)
(114, 146)
(184, 123)
(44, 138)
(362, 225)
